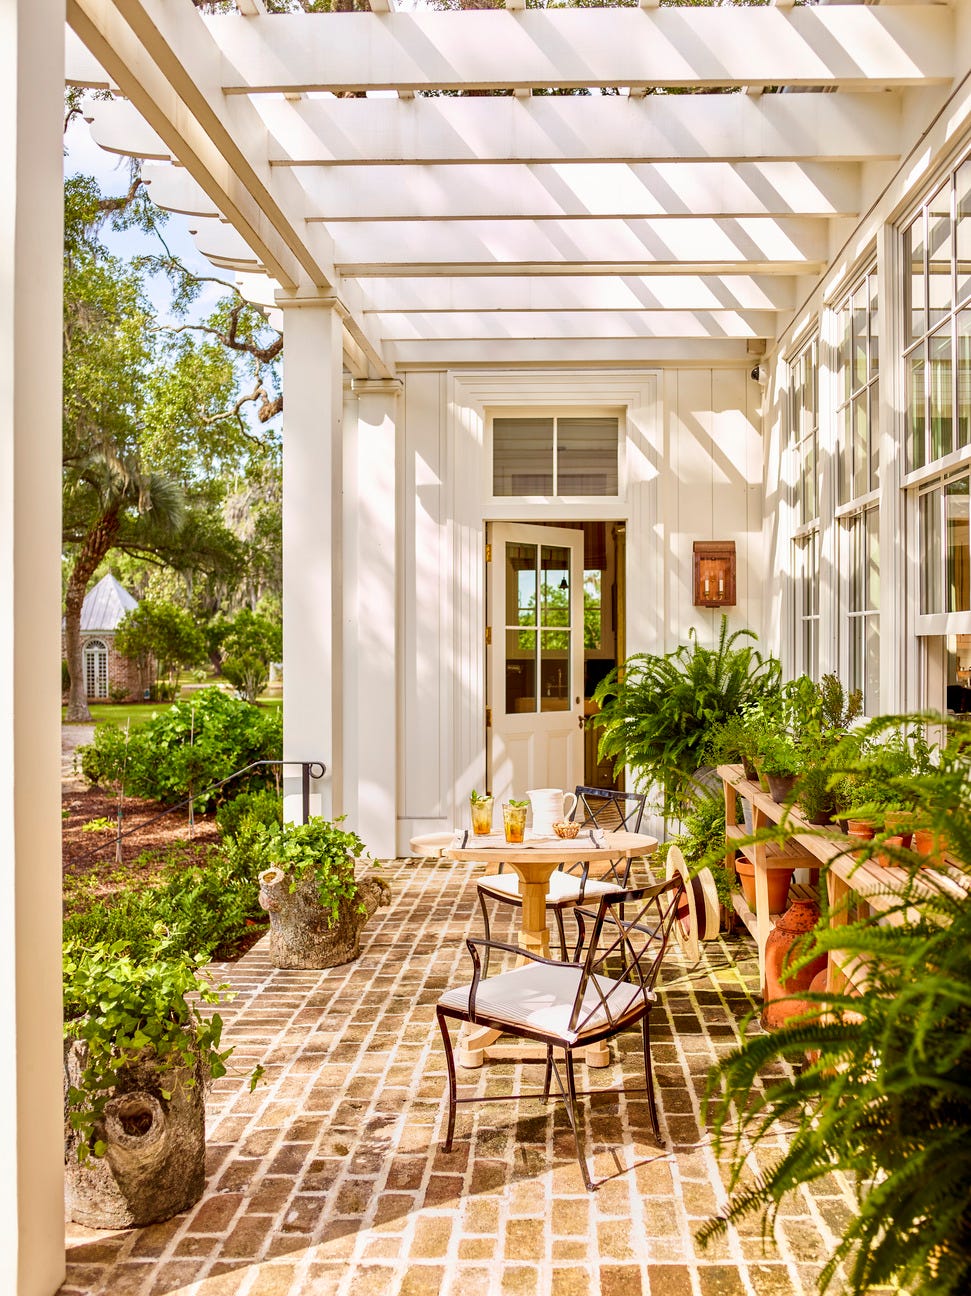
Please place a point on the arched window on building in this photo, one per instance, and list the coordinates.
(96, 668)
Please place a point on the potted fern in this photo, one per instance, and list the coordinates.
(657, 713)
(309, 887)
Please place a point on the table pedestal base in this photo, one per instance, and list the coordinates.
(478, 1043)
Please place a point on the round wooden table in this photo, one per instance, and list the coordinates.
(535, 864)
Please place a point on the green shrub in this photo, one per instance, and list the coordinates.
(193, 912)
(261, 807)
(191, 745)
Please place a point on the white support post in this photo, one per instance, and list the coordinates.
(370, 614)
(312, 551)
(31, 249)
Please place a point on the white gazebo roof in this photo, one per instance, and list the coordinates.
(323, 154)
(104, 606)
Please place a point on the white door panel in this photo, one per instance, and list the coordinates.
(536, 658)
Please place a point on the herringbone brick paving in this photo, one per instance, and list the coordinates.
(328, 1179)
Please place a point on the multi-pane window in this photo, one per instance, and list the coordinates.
(945, 555)
(862, 547)
(96, 669)
(937, 323)
(553, 456)
(804, 479)
(857, 390)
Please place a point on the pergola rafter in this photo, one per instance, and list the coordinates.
(848, 46)
(453, 229)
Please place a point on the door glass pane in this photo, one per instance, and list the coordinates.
(554, 670)
(520, 671)
(873, 433)
(592, 608)
(940, 395)
(871, 681)
(872, 517)
(555, 586)
(874, 324)
(963, 237)
(586, 456)
(860, 333)
(958, 571)
(939, 255)
(522, 456)
(916, 456)
(521, 611)
(860, 451)
(931, 599)
(964, 379)
(844, 452)
(843, 351)
(916, 325)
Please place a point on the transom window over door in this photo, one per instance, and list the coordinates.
(552, 455)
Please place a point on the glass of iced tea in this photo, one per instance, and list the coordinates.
(514, 820)
(481, 814)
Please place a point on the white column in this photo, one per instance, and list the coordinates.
(312, 572)
(31, 242)
(370, 614)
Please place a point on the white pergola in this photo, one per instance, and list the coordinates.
(328, 155)
(401, 233)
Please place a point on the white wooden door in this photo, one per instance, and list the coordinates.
(536, 658)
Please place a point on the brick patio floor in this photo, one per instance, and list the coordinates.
(328, 1180)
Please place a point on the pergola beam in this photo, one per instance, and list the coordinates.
(569, 191)
(672, 292)
(846, 127)
(569, 352)
(657, 242)
(595, 325)
(850, 46)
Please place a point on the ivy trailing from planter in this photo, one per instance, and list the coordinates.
(320, 849)
(119, 1010)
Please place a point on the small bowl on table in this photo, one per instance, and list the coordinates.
(566, 830)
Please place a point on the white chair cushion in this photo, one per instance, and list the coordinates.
(540, 997)
(564, 888)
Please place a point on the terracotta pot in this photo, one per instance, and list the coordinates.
(780, 881)
(899, 823)
(780, 991)
(749, 770)
(861, 828)
(931, 845)
(780, 787)
(885, 858)
(763, 781)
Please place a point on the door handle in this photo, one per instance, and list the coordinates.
(581, 720)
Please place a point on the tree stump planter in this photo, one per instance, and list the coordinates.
(155, 1162)
(302, 932)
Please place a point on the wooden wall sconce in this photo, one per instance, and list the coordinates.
(714, 573)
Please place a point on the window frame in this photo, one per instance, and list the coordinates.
(594, 505)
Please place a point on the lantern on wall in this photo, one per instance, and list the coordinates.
(714, 573)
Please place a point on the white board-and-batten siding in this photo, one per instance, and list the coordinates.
(691, 470)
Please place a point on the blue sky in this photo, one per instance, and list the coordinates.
(83, 156)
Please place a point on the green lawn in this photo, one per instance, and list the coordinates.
(139, 713)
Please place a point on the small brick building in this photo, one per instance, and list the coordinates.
(106, 672)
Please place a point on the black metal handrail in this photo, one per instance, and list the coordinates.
(308, 770)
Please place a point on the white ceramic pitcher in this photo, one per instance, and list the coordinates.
(550, 805)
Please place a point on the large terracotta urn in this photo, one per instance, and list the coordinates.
(782, 997)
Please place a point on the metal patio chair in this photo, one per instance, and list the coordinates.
(568, 1006)
(602, 808)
